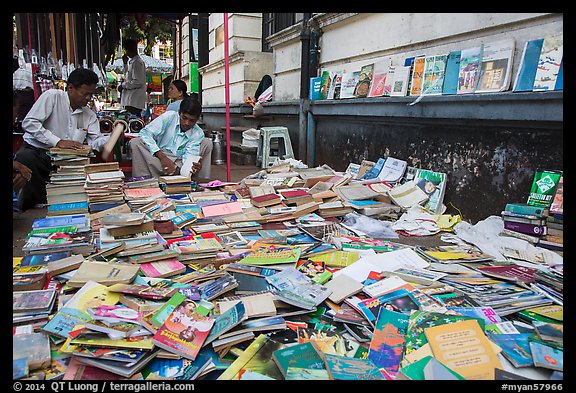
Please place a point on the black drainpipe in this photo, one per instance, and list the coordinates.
(304, 102)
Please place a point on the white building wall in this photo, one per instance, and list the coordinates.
(348, 42)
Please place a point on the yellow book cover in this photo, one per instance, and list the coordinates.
(337, 258)
(463, 347)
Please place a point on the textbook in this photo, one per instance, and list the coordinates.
(469, 68)
(496, 66)
(433, 77)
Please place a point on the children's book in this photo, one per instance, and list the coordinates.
(434, 186)
(549, 62)
(328, 341)
(417, 77)
(463, 347)
(388, 341)
(469, 67)
(185, 329)
(433, 77)
(73, 312)
(306, 355)
(379, 79)
(400, 300)
(351, 368)
(349, 81)
(496, 66)
(256, 357)
(450, 85)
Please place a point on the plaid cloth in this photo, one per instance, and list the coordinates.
(46, 84)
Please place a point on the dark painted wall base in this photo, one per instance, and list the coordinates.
(490, 155)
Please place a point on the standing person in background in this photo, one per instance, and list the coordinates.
(61, 119)
(164, 144)
(21, 174)
(177, 91)
(133, 89)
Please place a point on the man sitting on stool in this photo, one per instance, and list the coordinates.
(165, 143)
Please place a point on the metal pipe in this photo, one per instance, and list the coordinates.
(304, 86)
(227, 92)
(311, 136)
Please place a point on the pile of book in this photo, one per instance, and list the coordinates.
(104, 185)
(175, 184)
(65, 192)
(223, 284)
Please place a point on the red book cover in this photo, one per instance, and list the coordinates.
(295, 193)
(266, 199)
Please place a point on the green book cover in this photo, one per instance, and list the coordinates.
(543, 188)
(164, 312)
(305, 355)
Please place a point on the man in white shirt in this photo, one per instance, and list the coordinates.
(166, 143)
(133, 89)
(57, 119)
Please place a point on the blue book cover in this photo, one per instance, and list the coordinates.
(68, 206)
(44, 259)
(546, 356)
(387, 345)
(528, 66)
(515, 347)
(315, 84)
(451, 74)
(79, 220)
(559, 79)
(348, 368)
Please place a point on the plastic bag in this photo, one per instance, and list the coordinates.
(364, 225)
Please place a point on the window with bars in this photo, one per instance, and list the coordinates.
(274, 22)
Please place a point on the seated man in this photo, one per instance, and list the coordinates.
(61, 119)
(165, 143)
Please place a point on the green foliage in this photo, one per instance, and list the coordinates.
(155, 30)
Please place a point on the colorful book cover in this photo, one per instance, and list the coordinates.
(515, 348)
(73, 312)
(401, 301)
(335, 85)
(468, 73)
(364, 81)
(305, 355)
(433, 77)
(271, 255)
(463, 347)
(543, 188)
(420, 320)
(349, 81)
(434, 185)
(557, 205)
(528, 65)
(546, 356)
(496, 66)
(256, 357)
(417, 75)
(337, 259)
(328, 341)
(226, 321)
(165, 268)
(450, 85)
(387, 345)
(379, 79)
(185, 329)
(347, 368)
(326, 78)
(549, 62)
(306, 374)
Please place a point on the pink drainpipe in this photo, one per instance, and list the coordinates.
(227, 92)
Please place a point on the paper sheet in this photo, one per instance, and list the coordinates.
(186, 169)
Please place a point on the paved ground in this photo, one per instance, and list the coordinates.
(22, 223)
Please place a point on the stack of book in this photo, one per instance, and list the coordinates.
(104, 186)
(296, 197)
(141, 182)
(65, 192)
(175, 184)
(524, 218)
(141, 196)
(196, 250)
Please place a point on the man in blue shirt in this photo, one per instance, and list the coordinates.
(165, 144)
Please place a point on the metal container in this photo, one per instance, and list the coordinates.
(218, 148)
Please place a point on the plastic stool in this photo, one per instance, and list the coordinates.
(264, 156)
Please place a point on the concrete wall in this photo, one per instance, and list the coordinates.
(488, 144)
